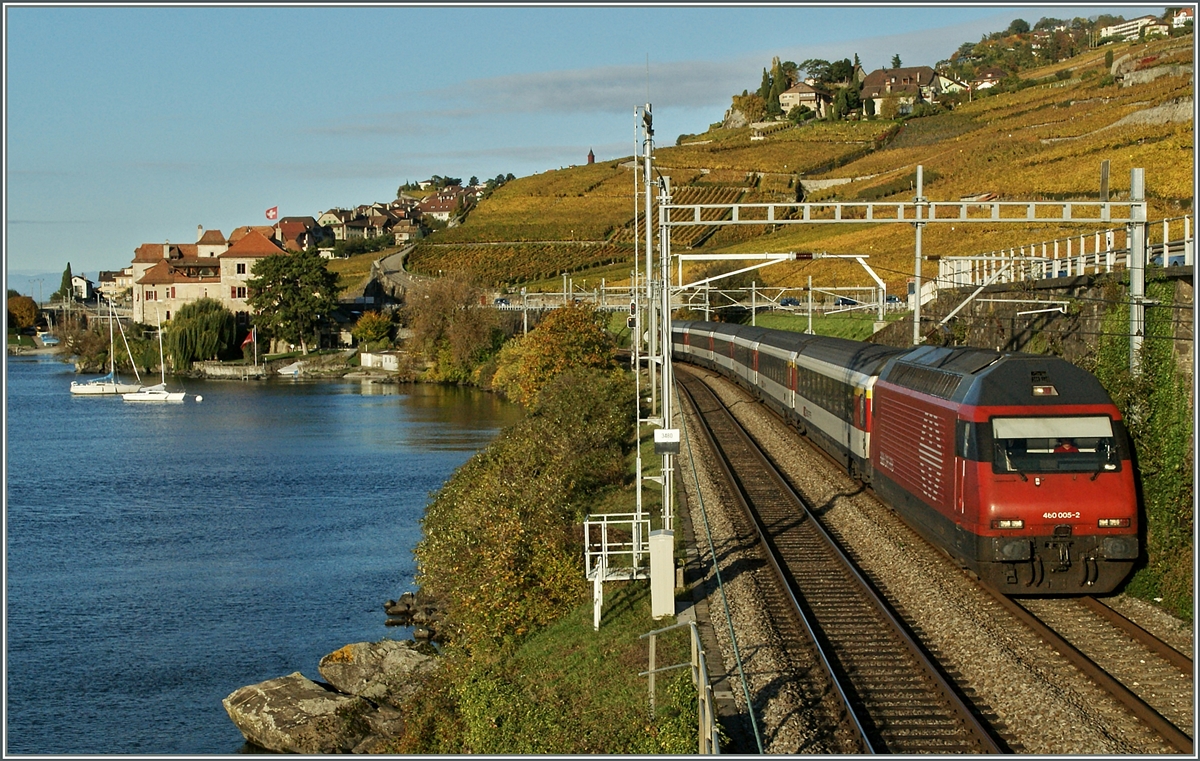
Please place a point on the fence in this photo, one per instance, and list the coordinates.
(1068, 257)
(709, 739)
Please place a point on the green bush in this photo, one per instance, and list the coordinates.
(501, 544)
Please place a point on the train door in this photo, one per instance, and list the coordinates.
(791, 381)
(962, 429)
(753, 369)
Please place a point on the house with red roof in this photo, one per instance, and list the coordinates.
(165, 276)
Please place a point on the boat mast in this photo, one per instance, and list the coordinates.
(112, 344)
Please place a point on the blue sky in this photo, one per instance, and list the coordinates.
(126, 125)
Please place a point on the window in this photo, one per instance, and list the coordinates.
(241, 292)
(172, 294)
(1054, 445)
(168, 314)
(241, 268)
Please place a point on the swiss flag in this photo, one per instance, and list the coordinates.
(273, 212)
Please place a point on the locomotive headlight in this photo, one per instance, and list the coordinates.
(1114, 523)
(1008, 523)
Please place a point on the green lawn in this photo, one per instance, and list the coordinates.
(857, 326)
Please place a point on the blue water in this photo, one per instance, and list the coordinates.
(160, 556)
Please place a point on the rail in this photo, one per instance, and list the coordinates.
(709, 737)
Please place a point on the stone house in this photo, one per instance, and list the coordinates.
(803, 94)
(166, 276)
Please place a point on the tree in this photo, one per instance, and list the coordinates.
(22, 310)
(474, 180)
(447, 323)
(896, 64)
(1018, 26)
(64, 289)
(201, 329)
(817, 69)
(764, 89)
(799, 114)
(869, 107)
(372, 327)
(292, 294)
(571, 337)
(841, 71)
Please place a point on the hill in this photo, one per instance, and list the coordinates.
(1042, 140)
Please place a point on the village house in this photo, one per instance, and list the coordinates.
(803, 94)
(82, 288)
(298, 233)
(1183, 17)
(986, 77)
(165, 276)
(907, 86)
(115, 285)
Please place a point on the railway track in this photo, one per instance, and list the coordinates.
(895, 696)
(1139, 670)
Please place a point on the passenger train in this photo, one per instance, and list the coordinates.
(1017, 465)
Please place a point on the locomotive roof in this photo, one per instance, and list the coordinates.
(983, 377)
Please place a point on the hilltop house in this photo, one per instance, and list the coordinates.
(1128, 30)
(803, 94)
(907, 86)
(1183, 17)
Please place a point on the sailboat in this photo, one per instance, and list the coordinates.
(157, 392)
(111, 383)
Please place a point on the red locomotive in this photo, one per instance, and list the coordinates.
(1017, 465)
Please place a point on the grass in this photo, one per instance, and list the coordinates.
(856, 326)
(15, 339)
(353, 269)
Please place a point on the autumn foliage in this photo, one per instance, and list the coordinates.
(571, 337)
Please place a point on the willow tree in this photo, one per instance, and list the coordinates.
(200, 330)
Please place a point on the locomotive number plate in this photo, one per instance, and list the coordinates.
(1055, 516)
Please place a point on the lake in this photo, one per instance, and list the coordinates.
(160, 556)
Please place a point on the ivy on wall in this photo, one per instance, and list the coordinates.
(1157, 408)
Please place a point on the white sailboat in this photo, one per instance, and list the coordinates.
(111, 383)
(157, 392)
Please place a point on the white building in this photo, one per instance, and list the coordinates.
(1129, 30)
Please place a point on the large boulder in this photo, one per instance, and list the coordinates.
(293, 714)
(385, 671)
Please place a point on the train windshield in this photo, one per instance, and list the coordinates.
(1054, 445)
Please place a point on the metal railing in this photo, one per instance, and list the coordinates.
(1068, 257)
(616, 546)
(709, 740)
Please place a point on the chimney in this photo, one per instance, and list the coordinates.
(199, 232)
(167, 250)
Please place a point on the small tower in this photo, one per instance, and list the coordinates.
(591, 157)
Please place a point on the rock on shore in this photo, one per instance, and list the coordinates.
(355, 712)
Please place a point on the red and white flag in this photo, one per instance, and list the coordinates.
(249, 338)
(273, 212)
